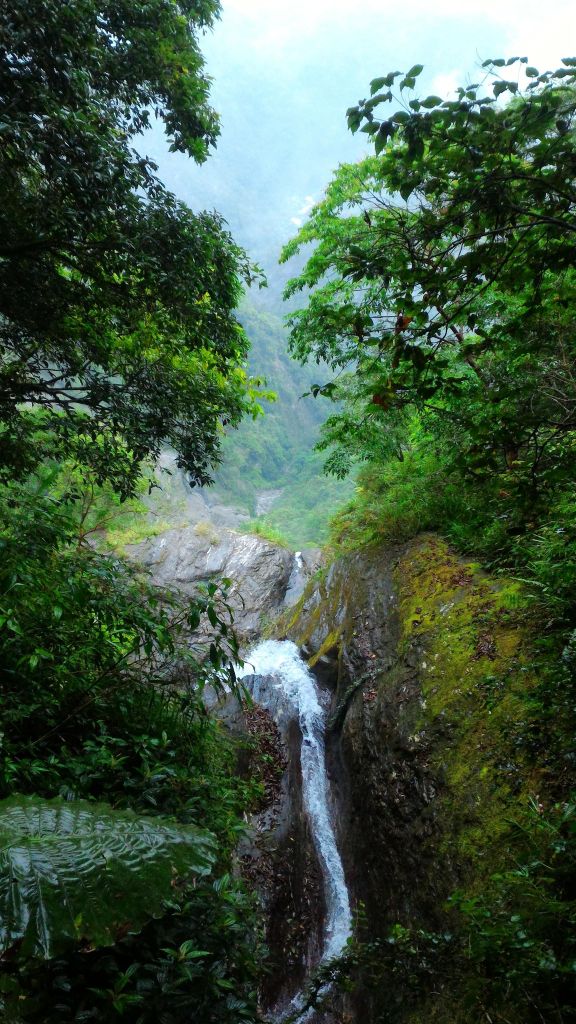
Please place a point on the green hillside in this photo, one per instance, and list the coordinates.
(275, 451)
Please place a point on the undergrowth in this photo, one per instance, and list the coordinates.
(101, 699)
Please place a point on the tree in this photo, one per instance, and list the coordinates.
(117, 302)
(443, 269)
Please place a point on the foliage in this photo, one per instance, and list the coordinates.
(271, 451)
(443, 273)
(118, 335)
(402, 964)
(274, 452)
(200, 958)
(80, 631)
(440, 291)
(520, 931)
(507, 953)
(444, 294)
(73, 870)
(101, 700)
(96, 514)
(131, 336)
(262, 529)
(301, 514)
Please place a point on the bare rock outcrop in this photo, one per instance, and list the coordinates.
(259, 571)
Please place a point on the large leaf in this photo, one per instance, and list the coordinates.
(82, 871)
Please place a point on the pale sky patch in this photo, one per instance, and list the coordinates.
(445, 84)
(303, 212)
(308, 204)
(541, 32)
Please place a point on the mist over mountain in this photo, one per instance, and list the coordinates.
(284, 77)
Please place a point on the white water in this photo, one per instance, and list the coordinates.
(297, 581)
(294, 686)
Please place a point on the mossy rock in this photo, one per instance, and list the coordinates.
(476, 637)
(433, 713)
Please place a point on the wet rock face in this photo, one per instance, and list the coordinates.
(278, 858)
(291, 889)
(429, 664)
(260, 571)
(380, 764)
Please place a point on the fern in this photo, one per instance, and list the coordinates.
(79, 871)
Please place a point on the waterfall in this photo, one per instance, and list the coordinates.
(297, 581)
(289, 686)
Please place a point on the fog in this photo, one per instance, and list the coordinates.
(284, 74)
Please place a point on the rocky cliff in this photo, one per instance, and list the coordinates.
(427, 665)
(265, 578)
(428, 659)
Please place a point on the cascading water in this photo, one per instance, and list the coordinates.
(288, 686)
(297, 581)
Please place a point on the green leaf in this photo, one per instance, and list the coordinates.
(431, 101)
(376, 84)
(385, 130)
(72, 871)
(353, 118)
(379, 83)
(416, 70)
(381, 97)
(194, 618)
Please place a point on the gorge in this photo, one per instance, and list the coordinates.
(287, 576)
(403, 756)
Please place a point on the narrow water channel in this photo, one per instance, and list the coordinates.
(282, 684)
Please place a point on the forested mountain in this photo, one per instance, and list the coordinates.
(275, 452)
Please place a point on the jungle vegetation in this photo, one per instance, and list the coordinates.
(120, 806)
(441, 293)
(439, 289)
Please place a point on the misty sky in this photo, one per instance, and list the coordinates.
(285, 72)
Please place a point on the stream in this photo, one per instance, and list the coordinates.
(280, 682)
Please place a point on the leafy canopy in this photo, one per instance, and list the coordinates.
(117, 335)
(442, 271)
(80, 631)
(117, 324)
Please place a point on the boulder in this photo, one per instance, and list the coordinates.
(260, 571)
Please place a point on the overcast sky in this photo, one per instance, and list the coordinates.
(286, 70)
(528, 26)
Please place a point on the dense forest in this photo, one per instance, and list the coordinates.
(440, 290)
(431, 298)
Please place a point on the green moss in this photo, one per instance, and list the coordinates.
(475, 642)
(140, 529)
(462, 702)
(262, 528)
(332, 641)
